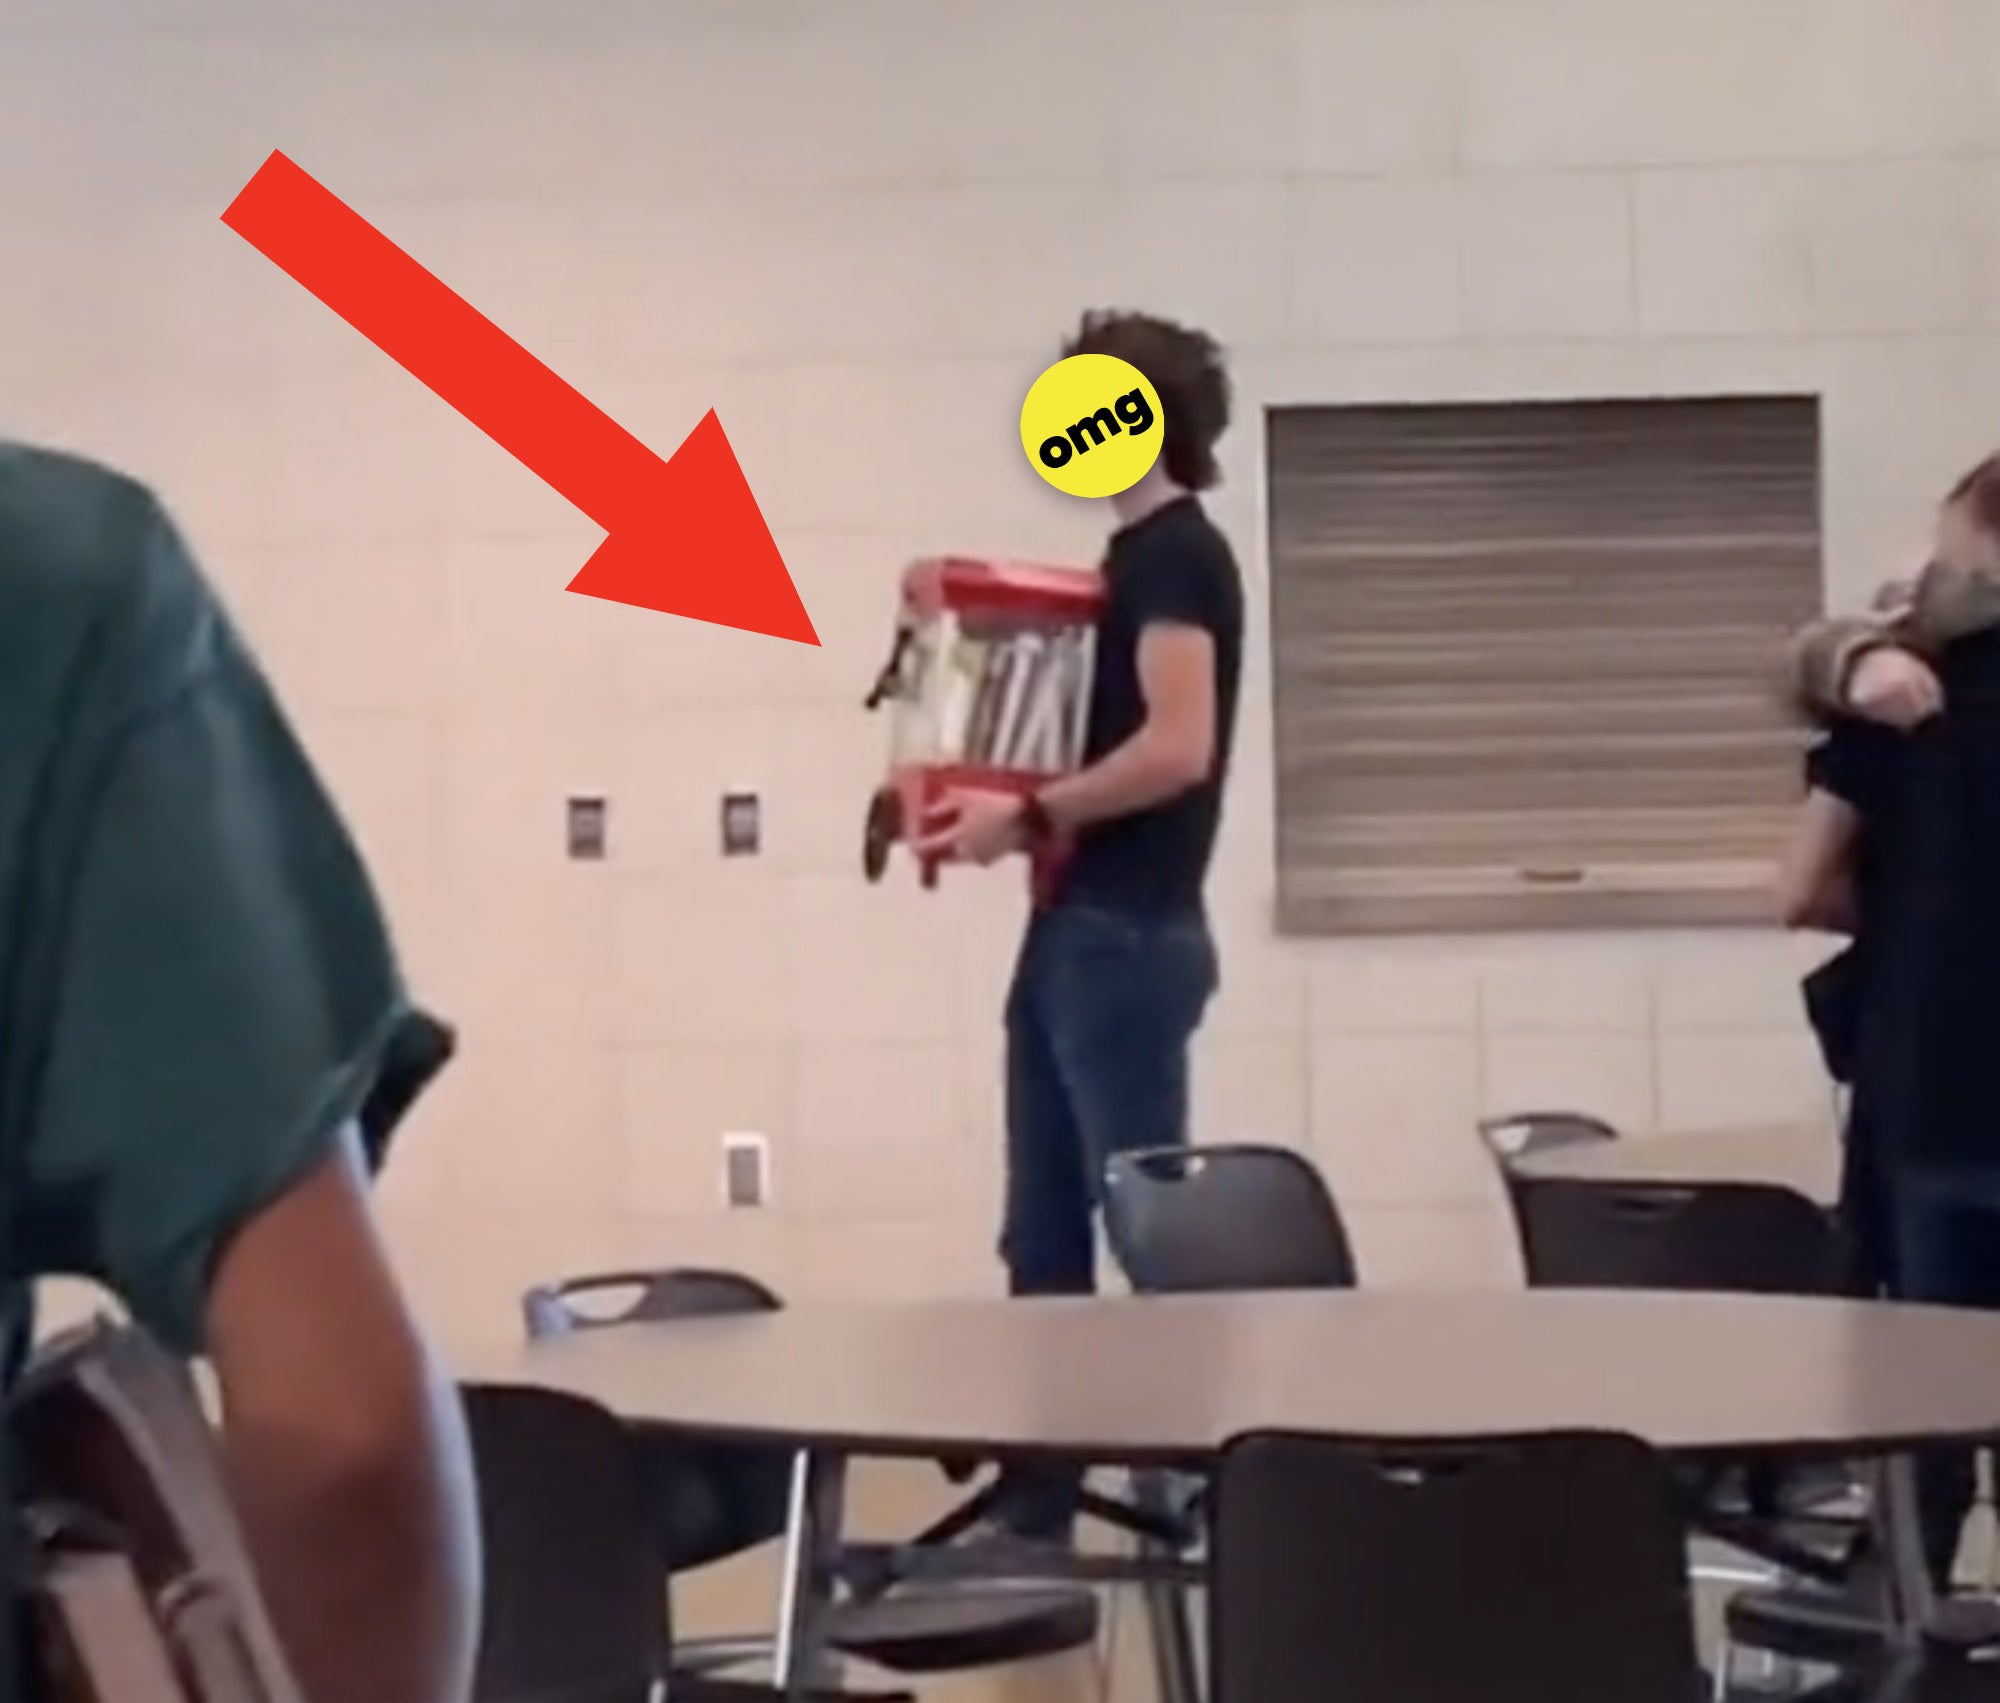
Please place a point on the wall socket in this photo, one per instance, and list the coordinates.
(742, 824)
(746, 1169)
(587, 827)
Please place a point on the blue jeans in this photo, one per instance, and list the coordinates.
(1099, 1018)
(1946, 1252)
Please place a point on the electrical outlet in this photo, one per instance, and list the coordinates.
(746, 1169)
(587, 825)
(742, 824)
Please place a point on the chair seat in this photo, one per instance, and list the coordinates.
(1967, 1625)
(938, 1629)
(1804, 1623)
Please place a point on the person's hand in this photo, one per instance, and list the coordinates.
(1894, 687)
(974, 827)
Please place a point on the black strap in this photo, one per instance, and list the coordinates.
(892, 671)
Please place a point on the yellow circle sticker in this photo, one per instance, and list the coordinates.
(1092, 426)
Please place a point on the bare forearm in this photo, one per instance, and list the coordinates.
(1828, 912)
(1816, 874)
(367, 1553)
(1146, 770)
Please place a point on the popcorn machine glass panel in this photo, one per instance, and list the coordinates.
(988, 687)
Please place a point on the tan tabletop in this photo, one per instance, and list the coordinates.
(1171, 1379)
(1799, 1157)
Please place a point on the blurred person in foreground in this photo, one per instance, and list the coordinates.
(196, 991)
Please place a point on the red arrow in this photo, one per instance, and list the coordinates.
(685, 535)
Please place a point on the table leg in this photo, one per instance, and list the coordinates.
(1913, 1603)
(1176, 1667)
(1907, 1604)
(814, 1516)
(1958, 1626)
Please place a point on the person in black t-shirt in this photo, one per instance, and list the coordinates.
(1926, 1094)
(1118, 966)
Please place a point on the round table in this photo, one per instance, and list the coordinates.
(1797, 1156)
(1169, 1380)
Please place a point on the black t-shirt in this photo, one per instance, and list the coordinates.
(1172, 567)
(1927, 1075)
(1857, 763)
(1851, 760)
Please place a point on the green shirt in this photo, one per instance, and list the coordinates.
(195, 979)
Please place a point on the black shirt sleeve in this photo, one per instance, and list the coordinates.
(1850, 761)
(1176, 582)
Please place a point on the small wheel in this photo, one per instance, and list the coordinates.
(884, 828)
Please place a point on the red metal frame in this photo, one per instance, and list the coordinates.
(965, 583)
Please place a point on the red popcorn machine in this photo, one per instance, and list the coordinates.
(988, 688)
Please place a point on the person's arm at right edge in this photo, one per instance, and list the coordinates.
(345, 1451)
(1815, 877)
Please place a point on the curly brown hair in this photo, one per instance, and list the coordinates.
(1186, 368)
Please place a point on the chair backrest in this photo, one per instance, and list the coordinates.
(1224, 1218)
(1725, 1238)
(1544, 1570)
(575, 1594)
(1520, 1134)
(641, 1297)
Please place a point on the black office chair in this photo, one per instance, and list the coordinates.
(1554, 1564)
(1723, 1238)
(1720, 1238)
(1214, 1220)
(575, 1606)
(1222, 1219)
(710, 1500)
(1519, 1135)
(574, 1588)
(640, 1297)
